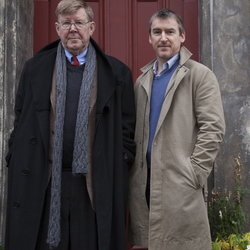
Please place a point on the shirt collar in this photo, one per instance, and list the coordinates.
(167, 65)
(81, 57)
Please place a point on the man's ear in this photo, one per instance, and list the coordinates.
(183, 37)
(149, 39)
(92, 28)
(57, 27)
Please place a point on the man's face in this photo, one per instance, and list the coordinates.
(74, 39)
(165, 38)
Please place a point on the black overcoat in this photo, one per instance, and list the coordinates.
(28, 155)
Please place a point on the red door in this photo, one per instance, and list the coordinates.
(122, 28)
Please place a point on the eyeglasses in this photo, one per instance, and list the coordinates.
(78, 24)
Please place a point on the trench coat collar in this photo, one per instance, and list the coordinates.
(179, 74)
(185, 54)
(147, 70)
(147, 78)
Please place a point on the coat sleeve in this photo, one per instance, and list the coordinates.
(128, 118)
(210, 122)
(17, 110)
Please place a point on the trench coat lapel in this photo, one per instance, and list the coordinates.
(180, 72)
(41, 88)
(147, 83)
(105, 87)
(173, 84)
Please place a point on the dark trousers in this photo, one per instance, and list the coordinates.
(78, 220)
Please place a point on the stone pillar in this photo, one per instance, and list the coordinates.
(225, 46)
(16, 21)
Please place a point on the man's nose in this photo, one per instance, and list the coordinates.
(164, 36)
(72, 27)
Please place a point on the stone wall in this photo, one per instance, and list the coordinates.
(16, 18)
(225, 46)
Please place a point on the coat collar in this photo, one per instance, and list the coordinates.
(43, 64)
(105, 80)
(185, 55)
(147, 71)
(179, 74)
(145, 81)
(41, 71)
(42, 68)
(105, 84)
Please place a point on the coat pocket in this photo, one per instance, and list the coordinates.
(193, 180)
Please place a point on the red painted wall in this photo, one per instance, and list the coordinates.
(122, 29)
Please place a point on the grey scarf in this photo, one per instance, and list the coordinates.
(80, 160)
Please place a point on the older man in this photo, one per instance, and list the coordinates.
(72, 143)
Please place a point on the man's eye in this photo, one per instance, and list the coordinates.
(79, 23)
(66, 23)
(156, 32)
(170, 32)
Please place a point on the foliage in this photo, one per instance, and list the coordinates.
(225, 211)
(232, 242)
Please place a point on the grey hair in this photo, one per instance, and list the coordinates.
(71, 6)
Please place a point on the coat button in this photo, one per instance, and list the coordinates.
(16, 204)
(125, 156)
(25, 171)
(105, 109)
(33, 141)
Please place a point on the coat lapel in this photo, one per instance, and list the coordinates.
(42, 73)
(146, 84)
(105, 88)
(180, 72)
(174, 83)
(147, 78)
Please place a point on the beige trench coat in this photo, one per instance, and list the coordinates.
(190, 128)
